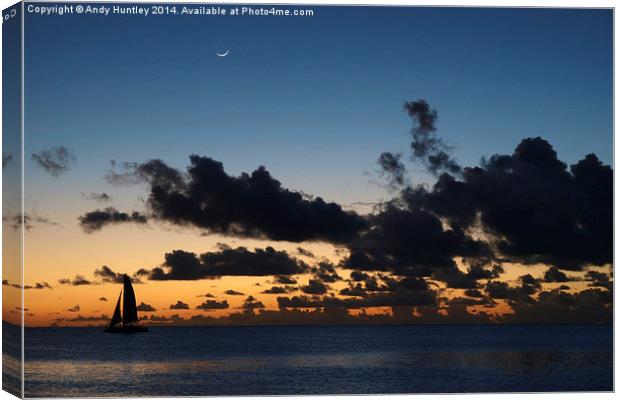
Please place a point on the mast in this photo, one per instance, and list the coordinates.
(130, 312)
(116, 318)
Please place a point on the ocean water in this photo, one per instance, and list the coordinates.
(11, 359)
(192, 361)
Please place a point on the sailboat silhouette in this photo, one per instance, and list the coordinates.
(127, 322)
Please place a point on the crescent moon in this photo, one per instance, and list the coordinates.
(224, 54)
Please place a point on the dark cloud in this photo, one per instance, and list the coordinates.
(514, 294)
(18, 310)
(123, 173)
(392, 168)
(529, 280)
(467, 302)
(473, 293)
(426, 145)
(28, 221)
(478, 271)
(598, 279)
(155, 172)
(75, 308)
(553, 274)
(327, 316)
(315, 286)
(536, 210)
(404, 284)
(564, 219)
(596, 276)
(79, 280)
(206, 295)
(213, 305)
(252, 304)
(382, 291)
(361, 284)
(392, 299)
(409, 241)
(231, 292)
(182, 265)
(161, 318)
(325, 272)
(95, 220)
(285, 280)
(532, 207)
(179, 306)
(279, 290)
(145, 307)
(81, 318)
(5, 282)
(591, 306)
(358, 276)
(142, 272)
(455, 278)
(303, 252)
(100, 197)
(55, 160)
(354, 290)
(103, 299)
(250, 205)
(107, 275)
(38, 285)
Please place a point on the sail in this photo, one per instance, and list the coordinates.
(116, 318)
(130, 313)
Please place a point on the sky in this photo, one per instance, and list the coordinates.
(315, 100)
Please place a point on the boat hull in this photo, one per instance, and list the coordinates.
(126, 329)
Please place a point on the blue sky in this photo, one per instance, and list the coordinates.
(315, 99)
